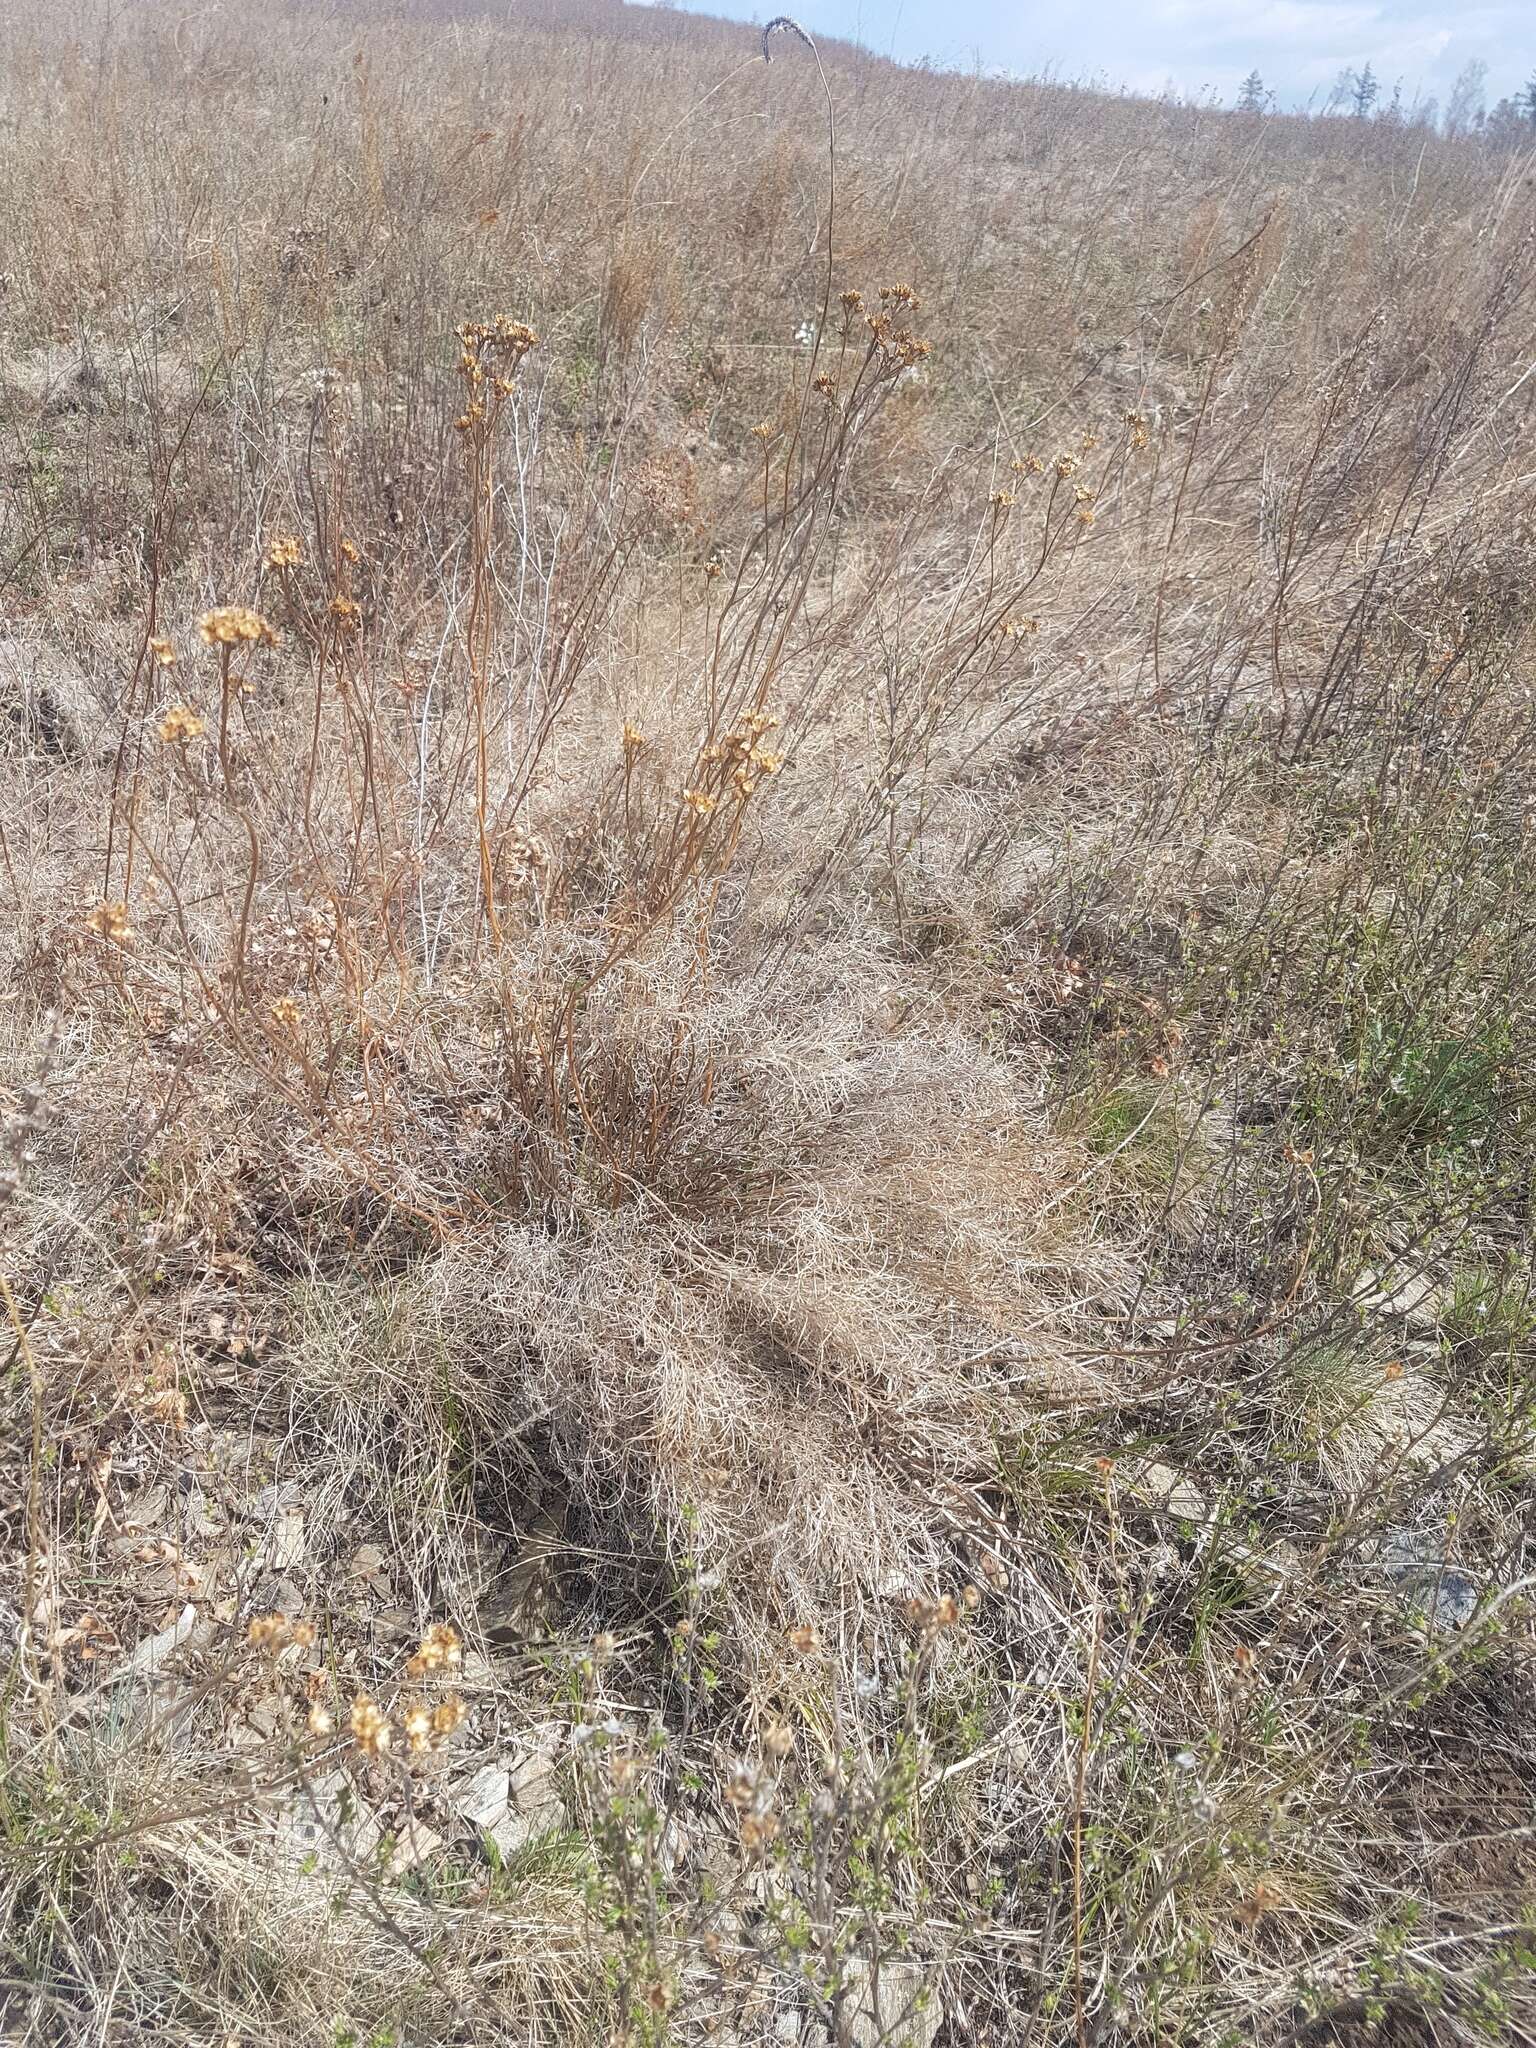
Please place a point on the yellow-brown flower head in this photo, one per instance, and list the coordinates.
(370, 1726)
(110, 921)
(180, 724)
(165, 654)
(234, 625)
(284, 551)
(440, 1650)
(448, 1716)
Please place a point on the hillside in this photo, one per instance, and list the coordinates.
(767, 976)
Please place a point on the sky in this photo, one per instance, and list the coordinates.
(1195, 46)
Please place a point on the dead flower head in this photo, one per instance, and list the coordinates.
(233, 625)
(180, 724)
(441, 1650)
(278, 1632)
(370, 1726)
(110, 921)
(284, 551)
(448, 1716)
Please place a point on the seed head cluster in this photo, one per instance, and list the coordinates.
(235, 625)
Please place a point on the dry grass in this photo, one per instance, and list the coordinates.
(767, 933)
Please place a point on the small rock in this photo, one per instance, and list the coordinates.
(346, 1833)
(513, 1801)
(149, 1657)
(368, 1565)
(485, 1799)
(900, 2011)
(413, 1843)
(1415, 1296)
(1170, 1490)
(1415, 1564)
(285, 1598)
(276, 1500)
(284, 1545)
(267, 1719)
(146, 1510)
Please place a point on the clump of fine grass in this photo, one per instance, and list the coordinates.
(782, 984)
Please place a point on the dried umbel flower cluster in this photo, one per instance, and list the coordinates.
(370, 1726)
(742, 755)
(422, 1725)
(425, 1724)
(933, 1618)
(284, 551)
(235, 625)
(179, 724)
(278, 1632)
(899, 349)
(163, 651)
(491, 351)
(441, 1650)
(749, 1792)
(110, 921)
(427, 1727)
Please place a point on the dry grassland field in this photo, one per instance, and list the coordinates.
(767, 1001)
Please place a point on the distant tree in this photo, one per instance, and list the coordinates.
(1365, 92)
(1343, 91)
(1507, 126)
(1253, 98)
(1528, 100)
(1466, 101)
